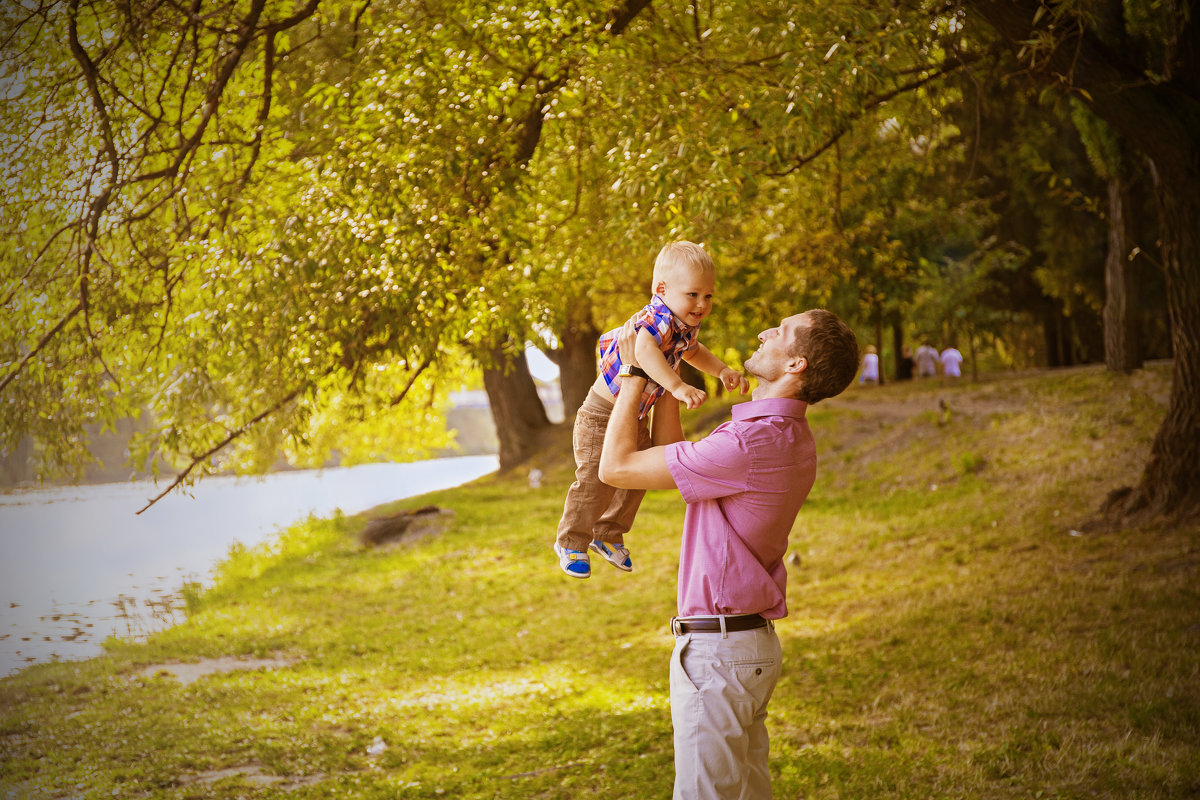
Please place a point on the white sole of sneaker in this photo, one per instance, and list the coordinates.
(603, 555)
(563, 566)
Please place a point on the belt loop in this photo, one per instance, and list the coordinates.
(771, 625)
(724, 633)
(675, 626)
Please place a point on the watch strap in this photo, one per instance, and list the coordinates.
(633, 371)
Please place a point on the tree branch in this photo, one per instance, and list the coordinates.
(46, 337)
(197, 460)
(870, 104)
(404, 393)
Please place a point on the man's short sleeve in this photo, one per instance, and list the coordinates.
(716, 466)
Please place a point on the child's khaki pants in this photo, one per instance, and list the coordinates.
(593, 509)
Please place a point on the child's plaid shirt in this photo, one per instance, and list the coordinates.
(673, 337)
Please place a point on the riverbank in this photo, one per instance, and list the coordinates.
(953, 633)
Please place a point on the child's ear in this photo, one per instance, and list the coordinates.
(660, 287)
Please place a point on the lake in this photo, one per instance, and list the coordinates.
(78, 564)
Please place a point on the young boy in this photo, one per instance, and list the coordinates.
(595, 515)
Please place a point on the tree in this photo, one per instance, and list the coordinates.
(266, 212)
(1111, 160)
(1137, 66)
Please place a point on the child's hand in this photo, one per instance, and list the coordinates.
(690, 396)
(732, 379)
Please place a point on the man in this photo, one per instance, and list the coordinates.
(926, 359)
(744, 484)
(952, 362)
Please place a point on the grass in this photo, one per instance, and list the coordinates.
(952, 635)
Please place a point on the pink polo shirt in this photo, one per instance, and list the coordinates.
(743, 484)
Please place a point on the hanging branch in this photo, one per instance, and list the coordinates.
(404, 393)
(46, 337)
(248, 28)
(871, 104)
(197, 460)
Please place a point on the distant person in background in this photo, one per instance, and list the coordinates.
(870, 366)
(951, 363)
(926, 360)
(904, 369)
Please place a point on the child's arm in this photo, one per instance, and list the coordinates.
(703, 359)
(655, 363)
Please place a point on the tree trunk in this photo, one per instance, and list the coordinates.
(879, 344)
(1170, 483)
(974, 356)
(517, 410)
(576, 357)
(1122, 305)
(897, 349)
(1052, 328)
(694, 377)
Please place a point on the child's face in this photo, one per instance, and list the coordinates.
(688, 292)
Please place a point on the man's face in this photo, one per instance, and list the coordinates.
(771, 359)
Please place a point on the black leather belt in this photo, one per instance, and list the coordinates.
(740, 622)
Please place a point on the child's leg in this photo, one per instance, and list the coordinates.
(588, 496)
(618, 516)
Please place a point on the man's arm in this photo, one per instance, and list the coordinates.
(621, 464)
(666, 427)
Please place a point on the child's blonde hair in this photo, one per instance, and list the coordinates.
(681, 254)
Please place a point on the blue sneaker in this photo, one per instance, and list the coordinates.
(615, 554)
(575, 563)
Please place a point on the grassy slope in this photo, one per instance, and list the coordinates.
(949, 637)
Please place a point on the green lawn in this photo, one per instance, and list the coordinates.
(953, 634)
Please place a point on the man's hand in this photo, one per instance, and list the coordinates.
(627, 342)
(690, 396)
(732, 379)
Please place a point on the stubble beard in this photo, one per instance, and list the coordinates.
(751, 367)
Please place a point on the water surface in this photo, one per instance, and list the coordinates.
(78, 564)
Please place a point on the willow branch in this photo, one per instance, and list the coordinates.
(233, 435)
(400, 397)
(34, 262)
(46, 337)
(264, 110)
(871, 104)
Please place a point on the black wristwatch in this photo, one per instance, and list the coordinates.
(629, 370)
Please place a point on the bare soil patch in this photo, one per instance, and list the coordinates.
(188, 673)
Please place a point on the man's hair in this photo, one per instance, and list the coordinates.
(681, 254)
(832, 353)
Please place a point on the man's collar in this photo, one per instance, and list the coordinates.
(769, 407)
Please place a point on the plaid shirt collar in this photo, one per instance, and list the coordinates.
(683, 330)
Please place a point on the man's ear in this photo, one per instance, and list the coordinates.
(796, 366)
